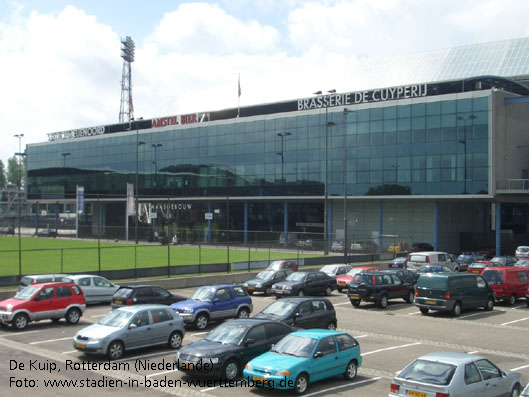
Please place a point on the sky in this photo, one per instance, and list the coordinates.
(61, 65)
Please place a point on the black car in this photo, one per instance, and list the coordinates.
(305, 283)
(302, 312)
(226, 349)
(407, 276)
(7, 230)
(420, 247)
(139, 294)
(264, 280)
(379, 287)
(46, 233)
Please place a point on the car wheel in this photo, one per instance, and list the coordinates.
(350, 370)
(383, 302)
(339, 289)
(410, 298)
(20, 321)
(301, 293)
(328, 291)
(301, 383)
(490, 304)
(230, 371)
(115, 350)
(512, 299)
(268, 291)
(424, 310)
(73, 316)
(456, 310)
(175, 340)
(243, 313)
(355, 302)
(201, 321)
(331, 326)
(515, 391)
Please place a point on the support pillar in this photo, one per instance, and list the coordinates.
(498, 229)
(380, 224)
(436, 226)
(209, 224)
(285, 223)
(246, 222)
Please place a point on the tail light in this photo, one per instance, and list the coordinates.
(442, 394)
(416, 293)
(446, 296)
(129, 302)
(428, 259)
(373, 280)
(394, 388)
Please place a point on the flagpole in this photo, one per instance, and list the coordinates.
(239, 96)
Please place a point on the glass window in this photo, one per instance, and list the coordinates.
(404, 137)
(141, 319)
(101, 282)
(276, 330)
(345, 342)
(327, 345)
(488, 370)
(376, 113)
(45, 294)
(239, 292)
(418, 123)
(418, 109)
(157, 291)
(404, 124)
(84, 282)
(390, 112)
(63, 292)
(160, 316)
(472, 374)
(404, 111)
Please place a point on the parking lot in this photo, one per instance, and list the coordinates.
(389, 340)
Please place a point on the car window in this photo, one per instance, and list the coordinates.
(522, 276)
(318, 306)
(442, 258)
(101, 282)
(322, 276)
(140, 292)
(141, 319)
(239, 292)
(472, 374)
(257, 334)
(160, 316)
(46, 293)
(396, 280)
(279, 275)
(275, 330)
(84, 282)
(223, 294)
(345, 342)
(157, 291)
(305, 308)
(311, 277)
(488, 370)
(480, 281)
(63, 292)
(327, 345)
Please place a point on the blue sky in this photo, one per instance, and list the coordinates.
(60, 63)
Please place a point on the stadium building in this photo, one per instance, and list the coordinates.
(433, 148)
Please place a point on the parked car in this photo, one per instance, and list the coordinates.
(228, 347)
(42, 302)
(264, 280)
(478, 267)
(505, 260)
(418, 247)
(399, 263)
(367, 246)
(418, 259)
(454, 374)
(304, 357)
(284, 264)
(407, 276)
(336, 269)
(39, 278)
(129, 328)
(143, 294)
(6, 230)
(522, 252)
(508, 283)
(305, 283)
(301, 312)
(433, 269)
(466, 259)
(379, 287)
(453, 292)
(337, 246)
(96, 289)
(213, 303)
(522, 263)
(343, 281)
(45, 233)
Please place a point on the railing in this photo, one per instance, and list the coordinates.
(513, 184)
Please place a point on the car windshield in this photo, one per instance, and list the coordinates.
(499, 259)
(116, 318)
(522, 263)
(477, 265)
(363, 278)
(293, 345)
(280, 308)
(296, 277)
(204, 294)
(265, 275)
(493, 276)
(26, 281)
(464, 259)
(276, 265)
(123, 293)
(432, 372)
(329, 269)
(523, 249)
(227, 334)
(352, 272)
(429, 269)
(26, 294)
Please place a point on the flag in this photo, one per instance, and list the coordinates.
(239, 85)
(239, 97)
(131, 208)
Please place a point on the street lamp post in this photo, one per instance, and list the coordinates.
(282, 135)
(19, 154)
(136, 183)
(345, 113)
(464, 142)
(64, 155)
(155, 162)
(325, 215)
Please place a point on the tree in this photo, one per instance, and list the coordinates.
(2, 175)
(16, 171)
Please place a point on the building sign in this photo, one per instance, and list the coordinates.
(176, 120)
(81, 132)
(164, 207)
(353, 98)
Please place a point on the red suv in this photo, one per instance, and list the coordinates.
(508, 283)
(284, 265)
(43, 301)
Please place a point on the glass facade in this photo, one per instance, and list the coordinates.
(423, 148)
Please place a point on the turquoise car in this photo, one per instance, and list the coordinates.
(303, 357)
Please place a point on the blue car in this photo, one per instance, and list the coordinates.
(434, 269)
(214, 302)
(303, 357)
(398, 263)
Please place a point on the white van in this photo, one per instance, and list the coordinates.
(420, 259)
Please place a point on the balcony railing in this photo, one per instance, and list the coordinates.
(513, 185)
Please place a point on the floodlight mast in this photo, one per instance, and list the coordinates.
(126, 106)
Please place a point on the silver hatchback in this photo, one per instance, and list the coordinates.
(131, 327)
(454, 374)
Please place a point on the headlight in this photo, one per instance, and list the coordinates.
(187, 310)
(288, 287)
(9, 308)
(283, 372)
(177, 356)
(245, 285)
(248, 366)
(212, 360)
(258, 285)
(93, 339)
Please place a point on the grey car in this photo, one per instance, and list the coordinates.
(96, 289)
(454, 374)
(131, 327)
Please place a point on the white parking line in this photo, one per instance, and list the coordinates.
(414, 313)
(470, 315)
(477, 351)
(145, 355)
(99, 315)
(391, 348)
(361, 336)
(20, 333)
(50, 340)
(70, 352)
(516, 369)
(515, 321)
(161, 373)
(325, 391)
(208, 389)
(344, 303)
(200, 333)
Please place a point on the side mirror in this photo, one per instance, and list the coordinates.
(318, 355)
(133, 326)
(216, 300)
(249, 342)
(296, 315)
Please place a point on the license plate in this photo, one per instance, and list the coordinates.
(80, 346)
(431, 302)
(416, 393)
(119, 302)
(278, 292)
(259, 379)
(341, 285)
(251, 288)
(475, 271)
(354, 297)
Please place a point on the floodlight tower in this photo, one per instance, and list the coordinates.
(126, 107)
